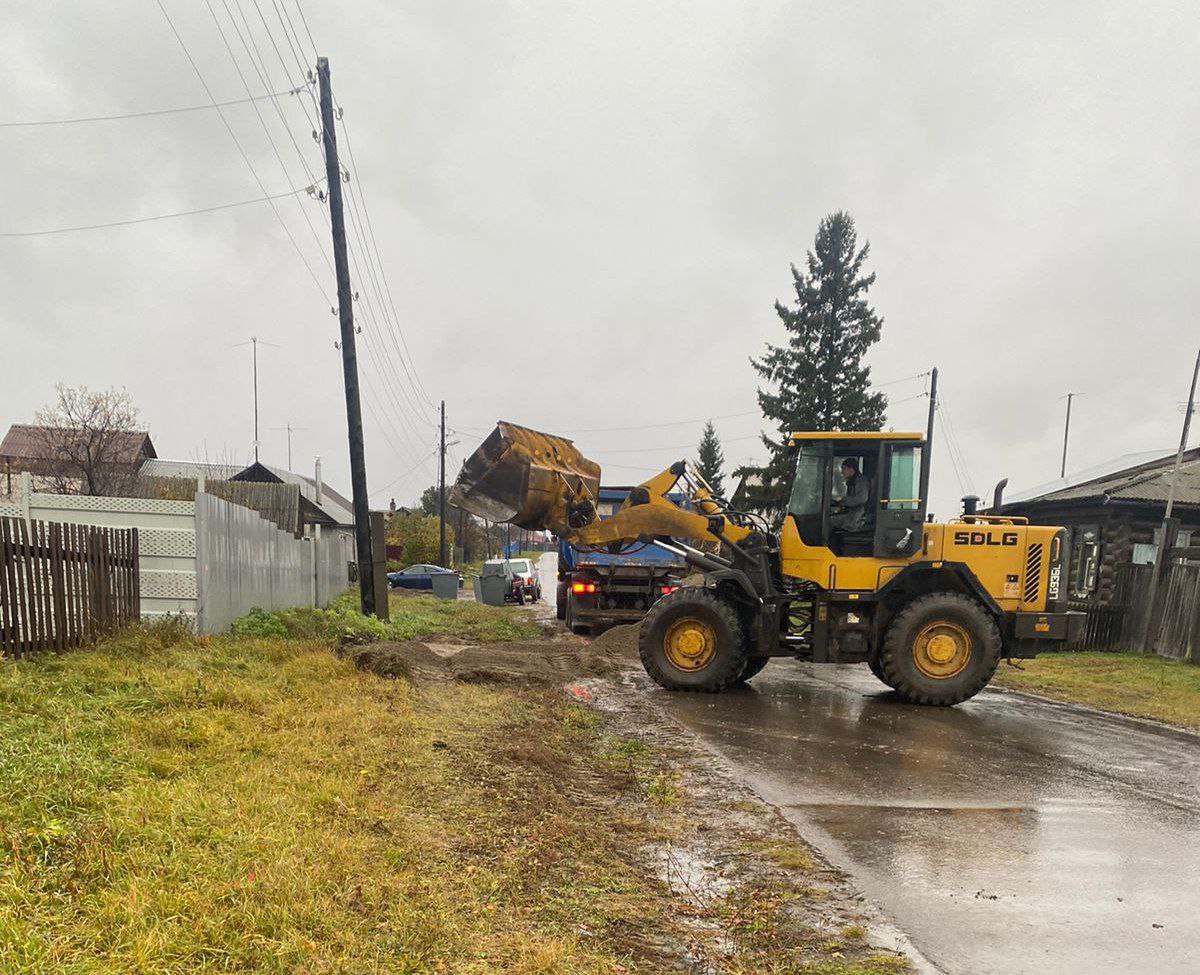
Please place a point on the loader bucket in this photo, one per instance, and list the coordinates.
(524, 477)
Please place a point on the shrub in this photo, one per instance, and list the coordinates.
(259, 623)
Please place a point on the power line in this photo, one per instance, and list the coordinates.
(412, 470)
(668, 423)
(159, 216)
(369, 281)
(233, 135)
(261, 121)
(156, 111)
(379, 261)
(646, 450)
(304, 21)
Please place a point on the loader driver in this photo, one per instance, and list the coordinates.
(851, 514)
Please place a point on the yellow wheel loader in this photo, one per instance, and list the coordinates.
(930, 607)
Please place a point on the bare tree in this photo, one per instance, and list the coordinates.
(90, 441)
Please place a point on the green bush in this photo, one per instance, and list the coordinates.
(413, 617)
(258, 622)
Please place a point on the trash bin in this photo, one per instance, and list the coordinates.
(445, 585)
(495, 580)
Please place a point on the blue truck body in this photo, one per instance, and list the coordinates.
(616, 587)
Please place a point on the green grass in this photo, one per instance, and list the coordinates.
(245, 804)
(260, 806)
(412, 618)
(1125, 683)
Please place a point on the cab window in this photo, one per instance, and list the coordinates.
(904, 479)
(808, 486)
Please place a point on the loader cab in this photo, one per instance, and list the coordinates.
(891, 465)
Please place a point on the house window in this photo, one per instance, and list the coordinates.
(1085, 559)
(1144, 553)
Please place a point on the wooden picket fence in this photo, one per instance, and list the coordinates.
(62, 585)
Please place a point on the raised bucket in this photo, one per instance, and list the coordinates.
(524, 477)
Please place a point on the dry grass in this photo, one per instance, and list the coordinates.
(172, 805)
(1125, 683)
(260, 806)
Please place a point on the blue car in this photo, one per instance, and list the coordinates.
(417, 576)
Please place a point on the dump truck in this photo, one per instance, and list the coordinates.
(931, 607)
(597, 586)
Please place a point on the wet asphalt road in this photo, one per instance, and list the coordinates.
(1004, 835)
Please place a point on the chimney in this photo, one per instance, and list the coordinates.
(317, 478)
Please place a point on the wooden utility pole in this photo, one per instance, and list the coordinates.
(358, 464)
(1167, 535)
(442, 491)
(1066, 436)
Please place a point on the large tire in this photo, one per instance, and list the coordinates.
(752, 667)
(573, 625)
(940, 650)
(692, 640)
(876, 669)
(560, 601)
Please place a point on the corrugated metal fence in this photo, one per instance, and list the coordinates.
(243, 562)
(62, 584)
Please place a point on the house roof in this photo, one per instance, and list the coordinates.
(1143, 477)
(26, 441)
(281, 504)
(332, 504)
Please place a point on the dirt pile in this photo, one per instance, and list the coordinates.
(528, 662)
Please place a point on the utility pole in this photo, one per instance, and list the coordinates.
(1066, 436)
(1149, 629)
(1183, 439)
(358, 464)
(442, 491)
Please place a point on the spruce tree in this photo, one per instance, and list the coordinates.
(710, 459)
(818, 379)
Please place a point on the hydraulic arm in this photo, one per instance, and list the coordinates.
(538, 481)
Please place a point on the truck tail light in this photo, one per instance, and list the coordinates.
(581, 587)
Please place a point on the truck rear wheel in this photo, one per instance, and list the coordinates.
(692, 640)
(573, 624)
(941, 649)
(560, 601)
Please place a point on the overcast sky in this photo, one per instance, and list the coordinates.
(585, 211)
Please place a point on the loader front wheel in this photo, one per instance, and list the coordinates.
(692, 640)
(941, 649)
(876, 669)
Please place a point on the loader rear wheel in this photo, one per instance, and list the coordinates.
(692, 640)
(941, 649)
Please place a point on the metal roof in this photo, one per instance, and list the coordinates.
(333, 504)
(853, 435)
(27, 441)
(1147, 480)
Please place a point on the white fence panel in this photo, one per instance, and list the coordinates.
(244, 562)
(208, 561)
